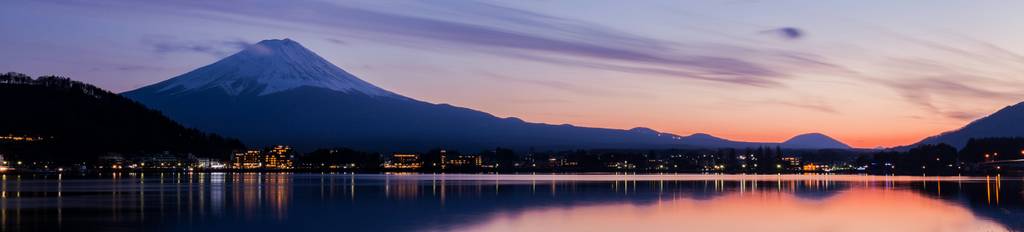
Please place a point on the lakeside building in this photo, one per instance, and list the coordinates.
(208, 163)
(403, 161)
(463, 161)
(249, 159)
(978, 160)
(812, 167)
(160, 161)
(3, 164)
(20, 138)
(164, 160)
(277, 157)
(563, 162)
(112, 161)
(791, 161)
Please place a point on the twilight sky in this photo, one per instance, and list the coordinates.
(870, 73)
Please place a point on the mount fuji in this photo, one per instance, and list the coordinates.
(279, 92)
(270, 66)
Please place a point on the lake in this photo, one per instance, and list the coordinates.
(490, 202)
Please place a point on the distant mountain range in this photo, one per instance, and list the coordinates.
(277, 91)
(1007, 122)
(71, 120)
(813, 141)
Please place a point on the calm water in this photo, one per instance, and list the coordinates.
(349, 202)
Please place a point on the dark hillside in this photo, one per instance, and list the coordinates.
(57, 118)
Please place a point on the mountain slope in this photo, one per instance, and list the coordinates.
(78, 121)
(311, 117)
(706, 140)
(814, 141)
(1007, 122)
(277, 91)
(268, 67)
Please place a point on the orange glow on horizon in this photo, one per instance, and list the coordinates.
(858, 209)
(854, 130)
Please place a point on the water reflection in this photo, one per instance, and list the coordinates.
(857, 209)
(440, 202)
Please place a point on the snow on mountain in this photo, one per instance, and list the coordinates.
(267, 67)
(278, 92)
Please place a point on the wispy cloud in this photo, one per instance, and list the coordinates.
(216, 48)
(958, 80)
(744, 80)
(498, 30)
(925, 92)
(789, 33)
(471, 26)
(337, 41)
(125, 67)
(809, 104)
(564, 86)
(802, 102)
(945, 88)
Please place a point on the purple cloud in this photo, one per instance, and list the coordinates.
(788, 33)
(566, 86)
(810, 105)
(497, 30)
(922, 91)
(218, 49)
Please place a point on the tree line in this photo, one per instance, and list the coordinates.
(80, 122)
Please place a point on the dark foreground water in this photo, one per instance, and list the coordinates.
(436, 202)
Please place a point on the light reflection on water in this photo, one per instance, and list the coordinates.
(446, 202)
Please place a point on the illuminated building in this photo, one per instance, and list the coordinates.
(250, 159)
(112, 161)
(444, 158)
(279, 157)
(160, 160)
(404, 161)
(3, 164)
(811, 167)
(622, 165)
(792, 161)
(464, 161)
(208, 163)
(19, 138)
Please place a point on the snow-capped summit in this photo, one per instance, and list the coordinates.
(267, 67)
(278, 92)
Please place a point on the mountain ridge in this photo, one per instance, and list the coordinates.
(248, 105)
(78, 121)
(1006, 122)
(270, 66)
(814, 140)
